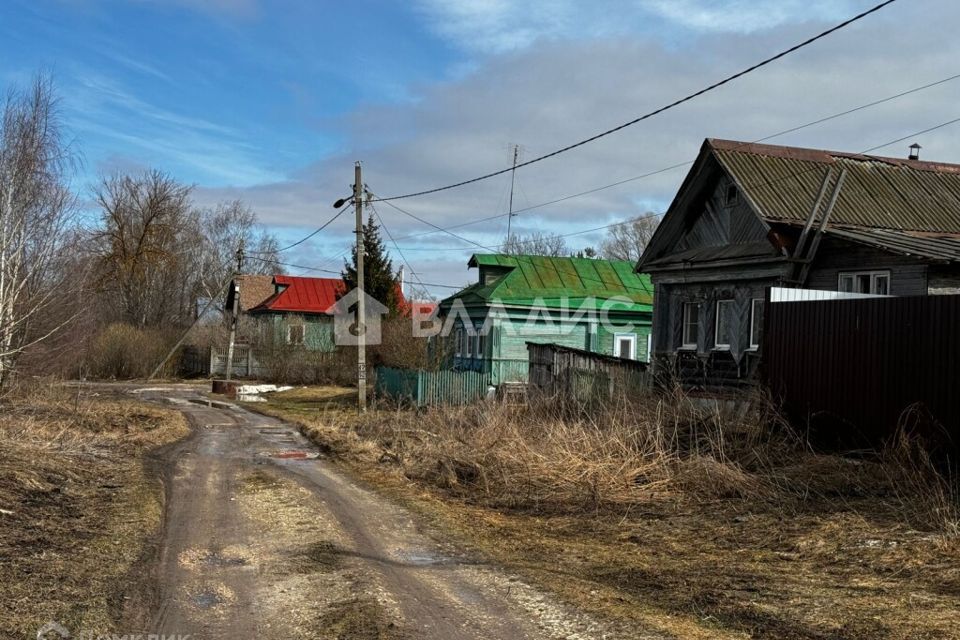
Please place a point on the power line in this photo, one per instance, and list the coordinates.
(321, 270)
(658, 111)
(765, 183)
(396, 246)
(437, 227)
(689, 162)
(316, 231)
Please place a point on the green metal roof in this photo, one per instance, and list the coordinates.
(547, 281)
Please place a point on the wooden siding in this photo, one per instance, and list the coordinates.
(581, 376)
(317, 330)
(721, 224)
(943, 280)
(908, 276)
(506, 356)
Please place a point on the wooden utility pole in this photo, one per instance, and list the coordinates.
(513, 177)
(361, 303)
(236, 310)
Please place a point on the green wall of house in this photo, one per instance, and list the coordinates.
(317, 330)
(504, 349)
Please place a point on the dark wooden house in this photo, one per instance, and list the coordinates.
(751, 216)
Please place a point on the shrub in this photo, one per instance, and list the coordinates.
(122, 351)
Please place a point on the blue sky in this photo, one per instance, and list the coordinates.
(272, 101)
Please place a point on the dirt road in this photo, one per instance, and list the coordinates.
(263, 539)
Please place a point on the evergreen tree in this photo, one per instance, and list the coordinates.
(379, 279)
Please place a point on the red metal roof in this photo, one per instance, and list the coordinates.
(319, 295)
(302, 295)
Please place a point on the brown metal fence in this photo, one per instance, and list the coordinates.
(849, 369)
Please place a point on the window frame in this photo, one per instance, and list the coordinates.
(753, 322)
(731, 195)
(722, 346)
(303, 334)
(632, 338)
(873, 274)
(685, 322)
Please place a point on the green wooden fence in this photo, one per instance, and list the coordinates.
(427, 388)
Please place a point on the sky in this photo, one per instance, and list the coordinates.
(272, 102)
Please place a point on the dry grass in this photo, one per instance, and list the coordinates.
(77, 505)
(693, 519)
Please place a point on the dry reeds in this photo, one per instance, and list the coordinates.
(554, 456)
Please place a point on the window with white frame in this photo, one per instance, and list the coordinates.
(691, 325)
(625, 345)
(875, 282)
(724, 324)
(481, 344)
(458, 341)
(756, 322)
(295, 334)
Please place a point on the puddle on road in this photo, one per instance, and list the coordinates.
(420, 558)
(206, 599)
(213, 404)
(293, 454)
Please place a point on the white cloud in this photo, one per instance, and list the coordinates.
(555, 93)
(745, 16)
(497, 26)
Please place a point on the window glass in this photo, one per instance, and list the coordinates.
(870, 282)
(724, 311)
(881, 284)
(691, 322)
(295, 334)
(756, 322)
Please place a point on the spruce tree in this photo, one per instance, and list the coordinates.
(379, 279)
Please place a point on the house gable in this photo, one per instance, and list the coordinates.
(712, 219)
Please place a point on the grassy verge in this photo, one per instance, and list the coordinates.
(78, 506)
(682, 520)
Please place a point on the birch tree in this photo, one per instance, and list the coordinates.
(36, 207)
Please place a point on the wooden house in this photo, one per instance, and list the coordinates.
(300, 311)
(752, 216)
(601, 306)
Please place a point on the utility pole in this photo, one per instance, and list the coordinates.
(236, 309)
(513, 176)
(361, 306)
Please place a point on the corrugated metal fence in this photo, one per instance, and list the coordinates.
(848, 369)
(428, 388)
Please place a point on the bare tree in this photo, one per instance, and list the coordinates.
(36, 208)
(147, 248)
(536, 243)
(224, 227)
(627, 241)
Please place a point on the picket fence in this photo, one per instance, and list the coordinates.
(431, 388)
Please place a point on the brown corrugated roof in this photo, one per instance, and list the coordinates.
(878, 192)
(254, 289)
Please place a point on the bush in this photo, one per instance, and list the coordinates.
(123, 352)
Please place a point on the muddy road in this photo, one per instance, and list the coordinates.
(264, 539)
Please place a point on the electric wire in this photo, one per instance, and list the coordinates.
(689, 162)
(657, 111)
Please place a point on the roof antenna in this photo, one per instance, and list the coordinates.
(915, 151)
(513, 177)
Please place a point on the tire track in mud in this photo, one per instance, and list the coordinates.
(257, 546)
